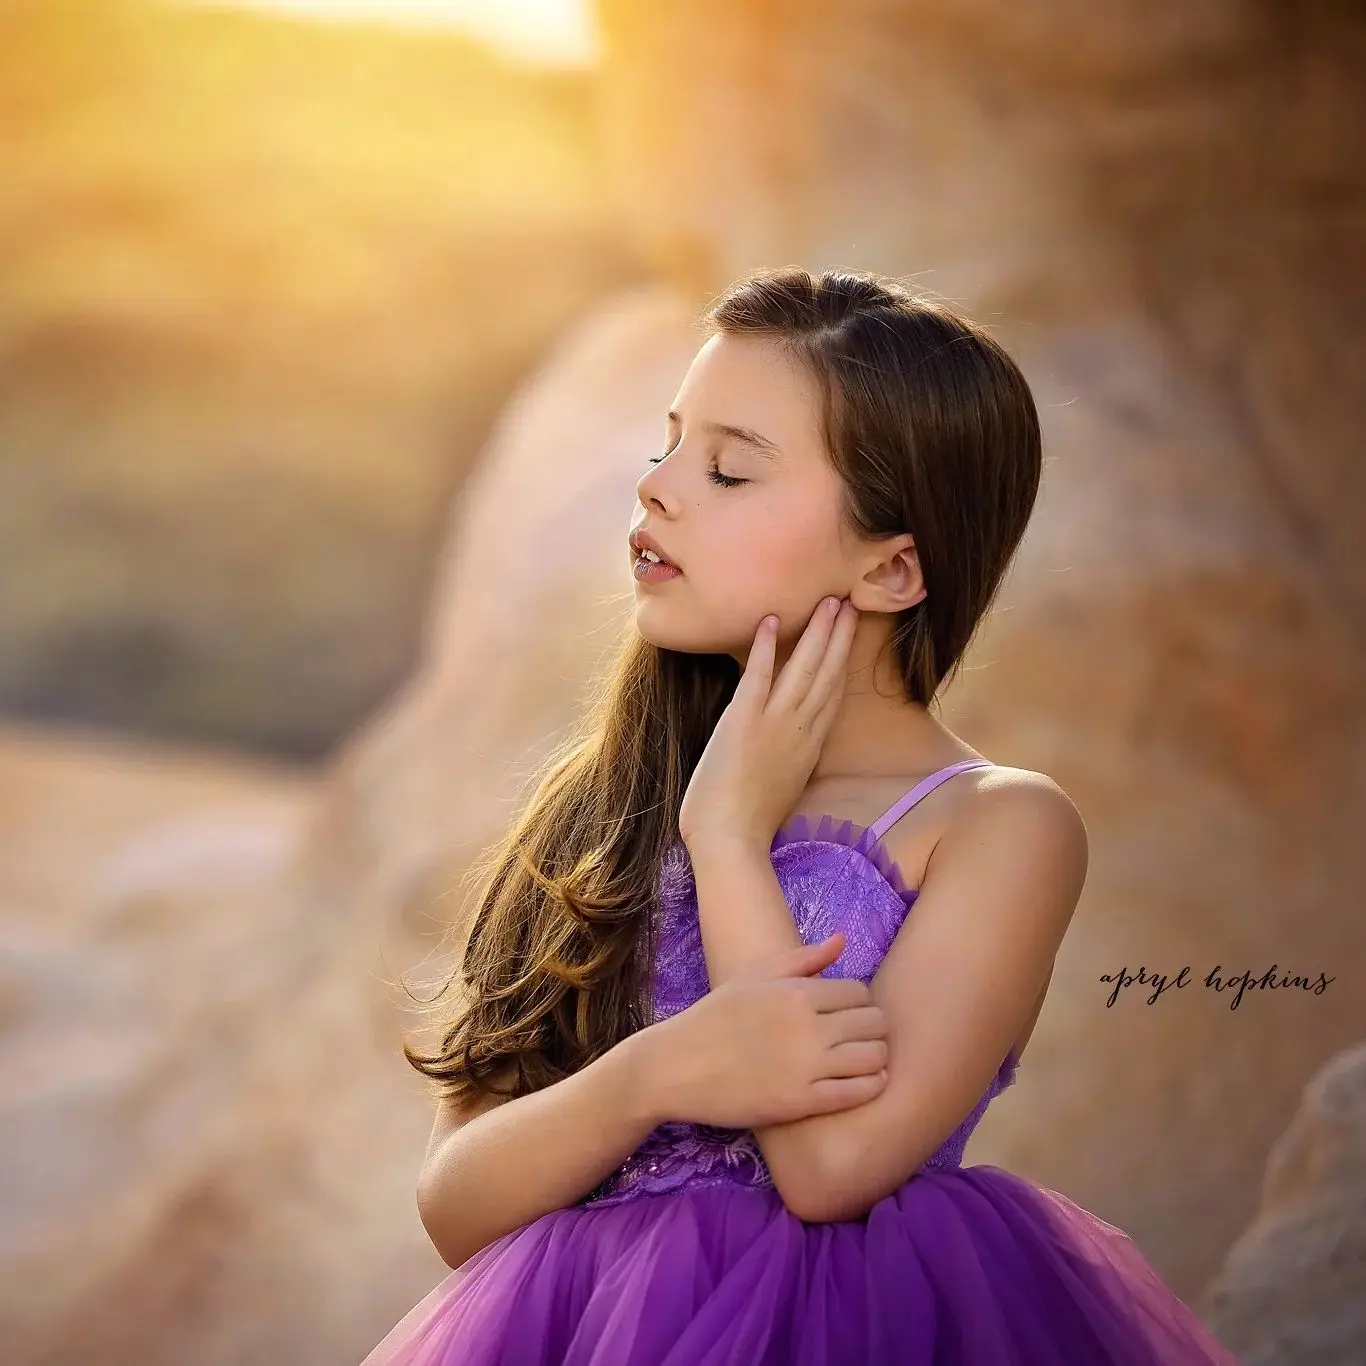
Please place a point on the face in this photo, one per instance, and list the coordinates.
(755, 529)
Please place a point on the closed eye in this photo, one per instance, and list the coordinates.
(727, 481)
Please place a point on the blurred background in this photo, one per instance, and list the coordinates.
(333, 340)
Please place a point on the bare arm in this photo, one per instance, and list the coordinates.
(745, 919)
(501, 1163)
(812, 1047)
(956, 986)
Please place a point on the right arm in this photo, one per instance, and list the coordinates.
(499, 1163)
(810, 1046)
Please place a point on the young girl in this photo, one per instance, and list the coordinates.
(747, 972)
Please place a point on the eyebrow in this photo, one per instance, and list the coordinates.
(747, 436)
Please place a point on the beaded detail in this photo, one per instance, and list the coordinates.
(679, 1154)
(835, 876)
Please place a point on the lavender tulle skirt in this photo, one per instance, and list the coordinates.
(970, 1266)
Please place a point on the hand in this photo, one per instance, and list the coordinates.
(771, 1045)
(766, 743)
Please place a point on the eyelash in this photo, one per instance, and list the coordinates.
(726, 481)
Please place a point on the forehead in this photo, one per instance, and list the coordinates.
(749, 390)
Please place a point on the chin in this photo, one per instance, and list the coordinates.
(668, 628)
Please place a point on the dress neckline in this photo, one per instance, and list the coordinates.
(826, 828)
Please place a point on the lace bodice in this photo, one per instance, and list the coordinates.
(835, 877)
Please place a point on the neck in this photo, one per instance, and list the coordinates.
(876, 731)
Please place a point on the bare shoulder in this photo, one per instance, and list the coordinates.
(1018, 823)
(1024, 790)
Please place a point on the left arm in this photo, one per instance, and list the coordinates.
(956, 986)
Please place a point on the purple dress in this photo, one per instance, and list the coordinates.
(687, 1256)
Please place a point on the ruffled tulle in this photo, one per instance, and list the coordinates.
(966, 1267)
(825, 829)
(962, 1266)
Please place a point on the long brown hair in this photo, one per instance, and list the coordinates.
(934, 431)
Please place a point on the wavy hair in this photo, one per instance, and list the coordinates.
(934, 432)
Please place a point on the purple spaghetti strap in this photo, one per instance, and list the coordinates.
(926, 785)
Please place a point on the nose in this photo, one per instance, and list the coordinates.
(650, 486)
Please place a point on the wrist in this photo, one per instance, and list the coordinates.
(644, 1077)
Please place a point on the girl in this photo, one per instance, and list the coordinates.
(747, 972)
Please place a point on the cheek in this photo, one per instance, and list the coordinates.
(801, 559)
(777, 574)
(740, 577)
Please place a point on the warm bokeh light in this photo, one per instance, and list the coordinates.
(553, 32)
(335, 339)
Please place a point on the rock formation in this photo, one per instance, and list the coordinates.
(1155, 205)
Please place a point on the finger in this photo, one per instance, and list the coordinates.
(857, 1059)
(842, 1093)
(836, 993)
(827, 687)
(757, 678)
(815, 958)
(804, 960)
(794, 682)
(856, 1024)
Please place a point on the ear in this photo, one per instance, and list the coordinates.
(893, 581)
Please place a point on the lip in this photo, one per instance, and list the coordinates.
(640, 539)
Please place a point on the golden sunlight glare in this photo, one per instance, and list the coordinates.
(553, 32)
